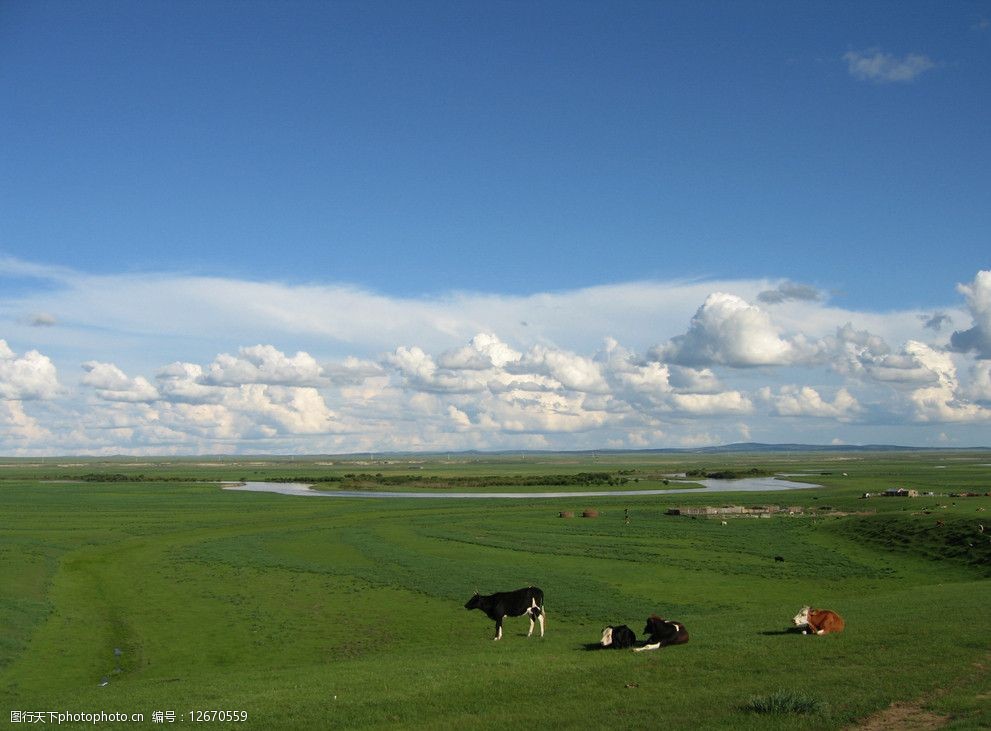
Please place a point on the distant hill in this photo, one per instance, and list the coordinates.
(736, 448)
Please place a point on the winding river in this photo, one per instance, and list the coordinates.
(749, 484)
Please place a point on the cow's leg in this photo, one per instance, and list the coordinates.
(654, 646)
(535, 612)
(498, 635)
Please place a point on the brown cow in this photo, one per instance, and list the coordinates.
(818, 621)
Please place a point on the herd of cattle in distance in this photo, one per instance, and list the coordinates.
(658, 633)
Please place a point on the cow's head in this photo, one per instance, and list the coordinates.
(802, 617)
(606, 637)
(652, 623)
(474, 602)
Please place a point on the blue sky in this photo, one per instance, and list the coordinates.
(412, 175)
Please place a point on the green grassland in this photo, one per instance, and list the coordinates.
(327, 612)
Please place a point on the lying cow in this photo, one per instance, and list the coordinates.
(818, 621)
(663, 632)
(529, 601)
(619, 637)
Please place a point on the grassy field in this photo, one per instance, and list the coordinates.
(336, 612)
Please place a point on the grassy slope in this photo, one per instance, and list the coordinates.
(276, 605)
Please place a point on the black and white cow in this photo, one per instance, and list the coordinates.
(529, 601)
(662, 632)
(619, 637)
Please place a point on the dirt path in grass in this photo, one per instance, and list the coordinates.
(912, 716)
(902, 717)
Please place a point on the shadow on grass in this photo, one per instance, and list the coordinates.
(789, 631)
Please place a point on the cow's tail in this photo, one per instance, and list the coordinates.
(536, 611)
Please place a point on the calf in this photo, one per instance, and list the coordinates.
(818, 621)
(529, 601)
(663, 632)
(619, 637)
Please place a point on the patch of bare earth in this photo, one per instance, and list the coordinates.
(902, 717)
(911, 716)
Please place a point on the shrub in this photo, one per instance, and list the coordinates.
(785, 701)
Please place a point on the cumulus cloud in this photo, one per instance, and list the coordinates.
(183, 382)
(806, 401)
(728, 402)
(17, 428)
(694, 380)
(726, 330)
(465, 380)
(574, 372)
(628, 373)
(421, 372)
(978, 337)
(263, 364)
(943, 401)
(27, 377)
(484, 351)
(352, 371)
(980, 385)
(243, 397)
(112, 384)
(884, 68)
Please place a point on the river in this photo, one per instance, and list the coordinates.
(748, 484)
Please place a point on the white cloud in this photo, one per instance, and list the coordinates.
(980, 386)
(629, 376)
(420, 372)
(726, 330)
(868, 357)
(978, 297)
(17, 428)
(943, 401)
(26, 377)
(728, 402)
(112, 384)
(263, 364)
(572, 371)
(468, 374)
(693, 380)
(883, 68)
(352, 371)
(182, 382)
(805, 401)
(483, 352)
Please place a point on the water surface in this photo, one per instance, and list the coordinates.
(748, 484)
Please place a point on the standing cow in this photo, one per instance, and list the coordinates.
(818, 621)
(498, 606)
(662, 632)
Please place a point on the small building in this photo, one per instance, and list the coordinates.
(900, 492)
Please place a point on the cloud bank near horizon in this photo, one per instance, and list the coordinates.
(331, 368)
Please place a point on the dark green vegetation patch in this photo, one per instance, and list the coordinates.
(786, 701)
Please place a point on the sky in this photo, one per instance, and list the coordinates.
(337, 227)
